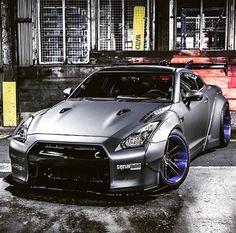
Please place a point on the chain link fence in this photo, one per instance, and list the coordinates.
(51, 31)
(191, 36)
(115, 24)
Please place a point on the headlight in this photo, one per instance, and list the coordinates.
(21, 131)
(139, 137)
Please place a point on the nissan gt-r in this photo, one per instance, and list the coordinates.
(123, 129)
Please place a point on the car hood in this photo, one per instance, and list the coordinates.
(95, 118)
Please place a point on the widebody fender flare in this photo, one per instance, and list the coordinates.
(213, 133)
(157, 145)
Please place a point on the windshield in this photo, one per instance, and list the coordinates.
(127, 85)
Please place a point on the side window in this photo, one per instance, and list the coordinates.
(188, 81)
(200, 83)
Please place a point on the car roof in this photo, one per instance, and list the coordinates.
(139, 68)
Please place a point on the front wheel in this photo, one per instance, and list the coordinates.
(225, 127)
(175, 163)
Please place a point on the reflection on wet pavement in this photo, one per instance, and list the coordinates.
(206, 202)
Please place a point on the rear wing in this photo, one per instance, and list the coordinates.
(191, 65)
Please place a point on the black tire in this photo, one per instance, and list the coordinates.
(225, 126)
(175, 163)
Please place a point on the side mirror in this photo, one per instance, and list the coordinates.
(67, 92)
(193, 96)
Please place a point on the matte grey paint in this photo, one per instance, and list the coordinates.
(91, 122)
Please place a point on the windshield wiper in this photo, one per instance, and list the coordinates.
(93, 98)
(132, 97)
(141, 98)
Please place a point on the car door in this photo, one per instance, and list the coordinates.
(195, 114)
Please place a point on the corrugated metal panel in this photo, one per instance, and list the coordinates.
(1, 62)
(25, 55)
(24, 20)
(24, 9)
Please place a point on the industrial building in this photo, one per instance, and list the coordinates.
(48, 45)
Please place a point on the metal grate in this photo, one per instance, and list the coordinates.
(64, 31)
(77, 45)
(51, 31)
(188, 34)
(116, 24)
(201, 24)
(110, 25)
(213, 33)
(69, 165)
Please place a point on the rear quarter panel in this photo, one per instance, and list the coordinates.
(216, 102)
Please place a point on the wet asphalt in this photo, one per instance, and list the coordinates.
(205, 202)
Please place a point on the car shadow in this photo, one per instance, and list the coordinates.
(203, 153)
(83, 198)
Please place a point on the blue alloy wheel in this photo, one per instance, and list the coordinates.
(227, 126)
(225, 131)
(175, 162)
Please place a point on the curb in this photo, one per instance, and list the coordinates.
(3, 136)
(6, 132)
(5, 167)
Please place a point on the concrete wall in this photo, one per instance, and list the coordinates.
(8, 55)
(41, 87)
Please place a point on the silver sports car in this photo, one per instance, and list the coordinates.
(126, 128)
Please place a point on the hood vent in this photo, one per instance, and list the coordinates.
(65, 110)
(123, 111)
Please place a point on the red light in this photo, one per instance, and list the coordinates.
(165, 78)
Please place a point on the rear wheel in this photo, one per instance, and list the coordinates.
(175, 162)
(225, 129)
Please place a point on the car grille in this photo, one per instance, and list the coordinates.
(70, 166)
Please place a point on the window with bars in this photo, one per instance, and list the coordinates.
(110, 25)
(116, 24)
(200, 24)
(63, 30)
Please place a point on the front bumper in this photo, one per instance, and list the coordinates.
(57, 161)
